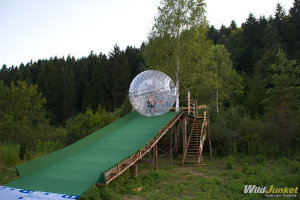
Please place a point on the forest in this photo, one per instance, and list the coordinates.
(249, 76)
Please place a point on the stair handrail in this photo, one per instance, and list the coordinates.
(203, 128)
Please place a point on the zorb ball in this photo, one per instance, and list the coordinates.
(152, 93)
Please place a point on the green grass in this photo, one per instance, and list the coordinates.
(221, 178)
(9, 155)
(7, 175)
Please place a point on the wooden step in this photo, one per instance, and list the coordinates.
(192, 156)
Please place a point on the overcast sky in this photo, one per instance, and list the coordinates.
(37, 29)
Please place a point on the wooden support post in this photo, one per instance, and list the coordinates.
(189, 102)
(155, 157)
(196, 107)
(176, 141)
(171, 149)
(134, 169)
(184, 134)
(150, 160)
(200, 158)
(208, 132)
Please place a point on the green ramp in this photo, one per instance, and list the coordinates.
(73, 169)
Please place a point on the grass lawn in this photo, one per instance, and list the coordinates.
(7, 175)
(221, 178)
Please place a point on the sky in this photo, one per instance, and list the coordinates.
(40, 29)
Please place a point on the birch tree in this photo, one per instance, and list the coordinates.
(177, 40)
(227, 81)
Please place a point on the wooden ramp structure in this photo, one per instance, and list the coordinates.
(96, 159)
(108, 152)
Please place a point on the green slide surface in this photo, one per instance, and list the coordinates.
(73, 169)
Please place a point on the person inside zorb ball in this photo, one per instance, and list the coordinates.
(152, 93)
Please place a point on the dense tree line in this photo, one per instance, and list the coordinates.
(249, 43)
(70, 85)
(249, 76)
(266, 53)
(51, 103)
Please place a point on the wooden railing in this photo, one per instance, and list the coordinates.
(121, 167)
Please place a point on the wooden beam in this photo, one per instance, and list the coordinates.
(176, 140)
(189, 107)
(150, 160)
(202, 107)
(189, 102)
(134, 169)
(208, 132)
(155, 157)
(184, 134)
(196, 107)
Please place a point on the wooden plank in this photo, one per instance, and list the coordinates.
(189, 107)
(149, 165)
(202, 107)
(134, 170)
(184, 134)
(189, 102)
(208, 132)
(196, 107)
(176, 140)
(155, 157)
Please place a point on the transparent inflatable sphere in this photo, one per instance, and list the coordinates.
(152, 93)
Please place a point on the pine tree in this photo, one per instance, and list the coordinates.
(283, 97)
(119, 73)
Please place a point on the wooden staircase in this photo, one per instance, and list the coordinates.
(193, 151)
(193, 147)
